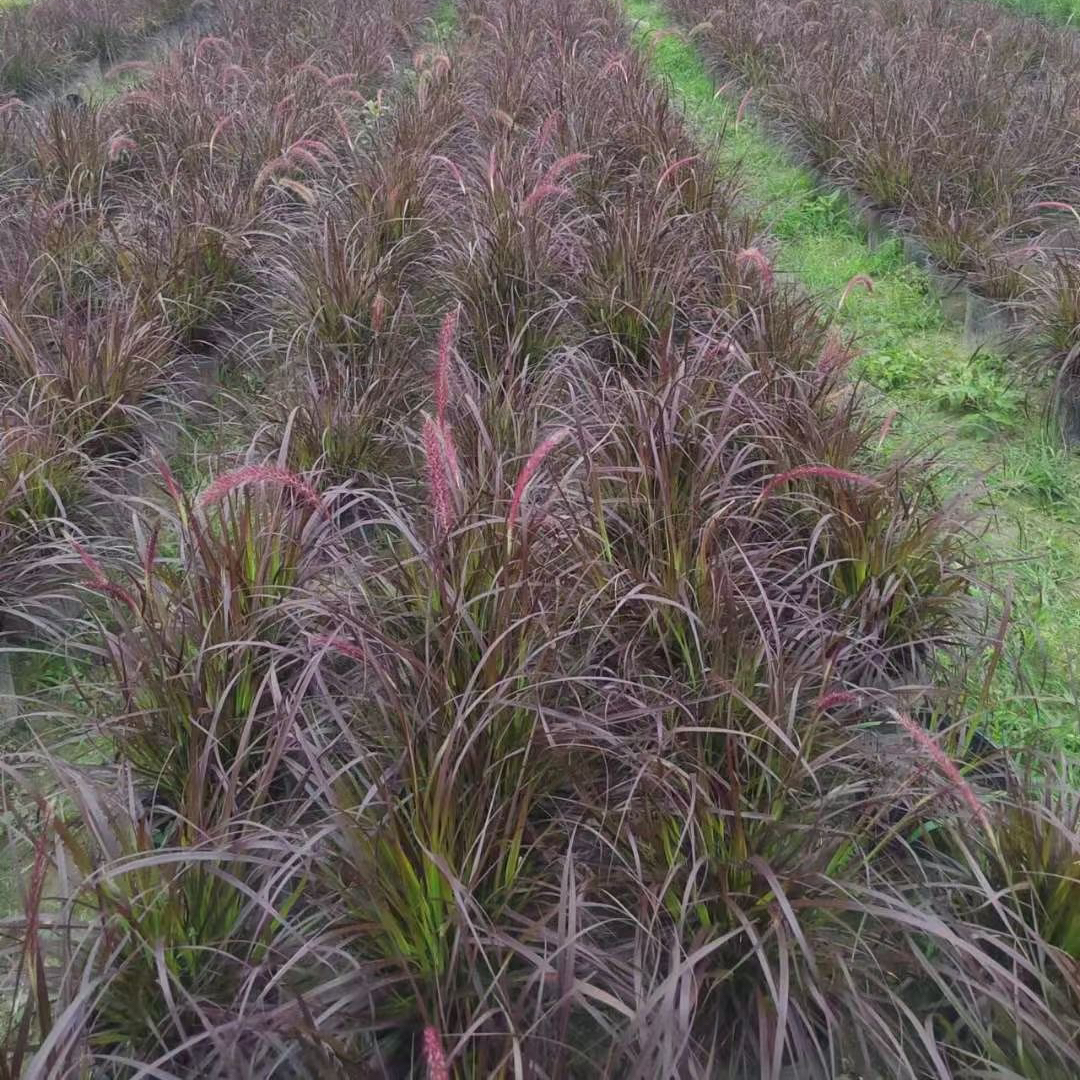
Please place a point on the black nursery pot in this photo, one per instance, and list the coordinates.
(1068, 410)
(989, 324)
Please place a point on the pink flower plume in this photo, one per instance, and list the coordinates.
(756, 257)
(451, 168)
(219, 127)
(536, 459)
(835, 356)
(543, 191)
(305, 157)
(234, 73)
(886, 426)
(172, 486)
(229, 482)
(547, 129)
(378, 312)
(435, 1055)
(439, 472)
(945, 764)
(859, 279)
(742, 107)
(673, 168)
(824, 472)
(120, 144)
(98, 580)
(836, 699)
(340, 645)
(563, 166)
(212, 44)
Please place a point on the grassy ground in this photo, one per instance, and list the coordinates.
(965, 405)
(1066, 11)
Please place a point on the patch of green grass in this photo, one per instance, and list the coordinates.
(97, 89)
(1065, 11)
(445, 20)
(963, 403)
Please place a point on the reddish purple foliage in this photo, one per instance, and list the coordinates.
(442, 365)
(835, 356)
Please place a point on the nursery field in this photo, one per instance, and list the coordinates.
(539, 538)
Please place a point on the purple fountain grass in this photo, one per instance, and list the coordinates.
(453, 169)
(298, 153)
(528, 471)
(743, 106)
(315, 147)
(309, 68)
(232, 74)
(99, 580)
(212, 44)
(304, 192)
(434, 1055)
(859, 280)
(547, 128)
(564, 165)
(836, 699)
(548, 184)
(541, 192)
(269, 170)
(339, 644)
(129, 67)
(815, 472)
(886, 426)
(835, 355)
(674, 167)
(379, 307)
(119, 145)
(229, 482)
(440, 474)
(945, 764)
(219, 127)
(172, 485)
(587, 768)
(756, 258)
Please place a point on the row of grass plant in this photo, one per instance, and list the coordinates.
(955, 121)
(46, 42)
(932, 387)
(135, 227)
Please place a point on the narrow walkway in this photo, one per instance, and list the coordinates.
(961, 404)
